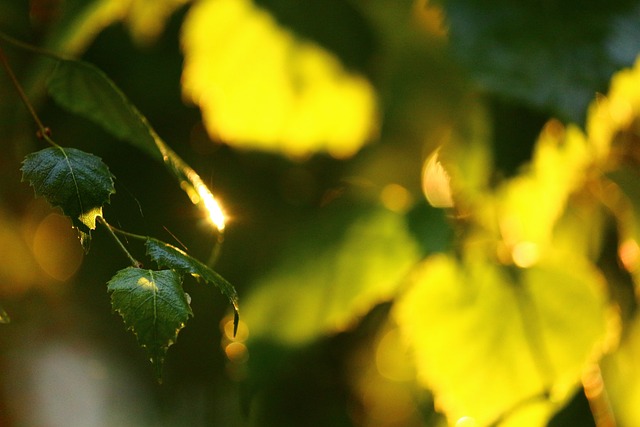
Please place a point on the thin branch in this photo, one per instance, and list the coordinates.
(127, 234)
(596, 394)
(26, 46)
(43, 131)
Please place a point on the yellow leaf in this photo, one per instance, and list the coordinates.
(615, 113)
(529, 205)
(146, 19)
(621, 373)
(532, 330)
(261, 87)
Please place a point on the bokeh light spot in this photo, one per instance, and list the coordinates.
(466, 422)
(396, 198)
(629, 253)
(236, 352)
(56, 248)
(525, 254)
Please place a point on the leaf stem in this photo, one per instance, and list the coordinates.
(127, 234)
(111, 231)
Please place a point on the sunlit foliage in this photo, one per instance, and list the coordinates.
(261, 86)
(435, 204)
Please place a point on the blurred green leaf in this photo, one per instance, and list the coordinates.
(77, 182)
(331, 273)
(554, 55)
(153, 305)
(533, 331)
(168, 256)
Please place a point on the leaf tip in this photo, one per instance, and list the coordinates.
(236, 321)
(158, 364)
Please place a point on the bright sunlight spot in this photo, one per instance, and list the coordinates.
(145, 283)
(525, 254)
(216, 216)
(198, 193)
(261, 87)
(466, 422)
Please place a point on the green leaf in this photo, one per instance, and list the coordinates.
(533, 330)
(168, 256)
(78, 182)
(85, 90)
(153, 305)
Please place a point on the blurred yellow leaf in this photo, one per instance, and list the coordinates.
(612, 126)
(608, 116)
(621, 374)
(146, 19)
(259, 86)
(530, 204)
(490, 341)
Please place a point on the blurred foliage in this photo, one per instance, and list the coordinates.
(259, 86)
(325, 126)
(551, 56)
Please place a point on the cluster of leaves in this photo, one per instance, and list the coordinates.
(509, 325)
(152, 303)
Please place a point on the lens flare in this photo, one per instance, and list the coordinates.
(216, 216)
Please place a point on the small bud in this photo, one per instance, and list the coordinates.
(41, 135)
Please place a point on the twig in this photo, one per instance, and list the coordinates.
(111, 230)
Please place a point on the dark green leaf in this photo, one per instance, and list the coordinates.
(85, 90)
(78, 182)
(153, 305)
(168, 256)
